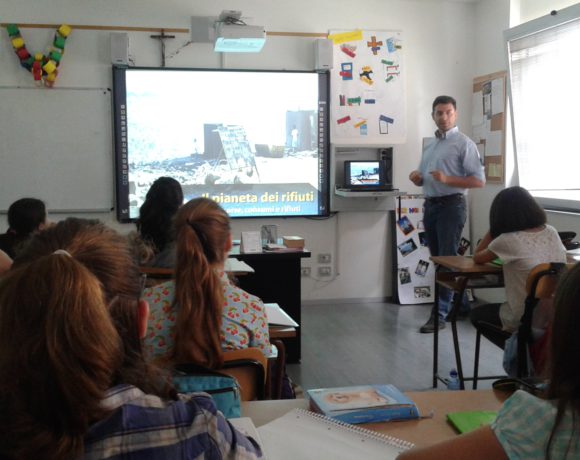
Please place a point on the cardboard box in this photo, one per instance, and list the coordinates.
(293, 242)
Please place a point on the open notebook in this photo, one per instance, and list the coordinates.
(305, 435)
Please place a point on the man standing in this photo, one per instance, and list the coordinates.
(449, 166)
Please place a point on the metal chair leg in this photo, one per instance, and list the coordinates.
(476, 362)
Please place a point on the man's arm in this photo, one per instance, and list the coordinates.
(457, 181)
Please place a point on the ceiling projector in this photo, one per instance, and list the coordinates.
(239, 38)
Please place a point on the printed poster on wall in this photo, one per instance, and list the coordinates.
(367, 88)
(415, 272)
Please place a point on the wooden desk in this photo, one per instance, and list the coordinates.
(282, 332)
(158, 275)
(277, 279)
(423, 432)
(458, 273)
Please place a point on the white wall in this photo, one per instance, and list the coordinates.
(492, 18)
(441, 57)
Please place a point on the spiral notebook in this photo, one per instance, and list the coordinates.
(301, 434)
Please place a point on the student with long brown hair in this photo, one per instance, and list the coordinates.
(528, 427)
(521, 237)
(73, 382)
(200, 313)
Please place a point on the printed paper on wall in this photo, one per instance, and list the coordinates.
(367, 88)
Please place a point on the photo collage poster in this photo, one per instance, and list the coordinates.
(367, 88)
(415, 271)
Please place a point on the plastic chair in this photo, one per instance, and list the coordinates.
(492, 328)
(249, 367)
(540, 285)
(567, 239)
(277, 368)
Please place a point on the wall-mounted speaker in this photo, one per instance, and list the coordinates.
(387, 158)
(323, 54)
(119, 48)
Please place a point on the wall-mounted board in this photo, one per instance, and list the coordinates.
(488, 120)
(56, 145)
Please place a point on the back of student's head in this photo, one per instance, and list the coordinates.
(565, 345)
(26, 215)
(101, 249)
(202, 237)
(564, 371)
(514, 209)
(155, 215)
(106, 254)
(59, 353)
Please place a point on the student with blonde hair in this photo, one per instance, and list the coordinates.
(201, 313)
(73, 383)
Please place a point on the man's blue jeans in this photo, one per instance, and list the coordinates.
(444, 220)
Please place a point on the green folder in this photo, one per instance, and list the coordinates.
(498, 262)
(471, 420)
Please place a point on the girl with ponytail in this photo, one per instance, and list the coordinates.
(201, 313)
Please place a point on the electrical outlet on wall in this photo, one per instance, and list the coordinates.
(324, 258)
(305, 271)
(324, 271)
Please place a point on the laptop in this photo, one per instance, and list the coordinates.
(365, 176)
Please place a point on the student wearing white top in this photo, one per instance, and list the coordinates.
(521, 238)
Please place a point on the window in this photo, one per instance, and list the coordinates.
(544, 75)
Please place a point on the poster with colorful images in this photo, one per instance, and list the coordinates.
(415, 271)
(367, 88)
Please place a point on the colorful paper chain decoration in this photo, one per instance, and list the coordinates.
(43, 67)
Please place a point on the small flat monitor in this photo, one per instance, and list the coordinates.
(365, 175)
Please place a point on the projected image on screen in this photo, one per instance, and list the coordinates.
(253, 141)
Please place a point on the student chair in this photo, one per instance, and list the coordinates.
(274, 368)
(277, 368)
(249, 367)
(540, 286)
(567, 239)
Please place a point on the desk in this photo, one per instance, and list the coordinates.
(423, 432)
(458, 273)
(282, 332)
(158, 275)
(277, 279)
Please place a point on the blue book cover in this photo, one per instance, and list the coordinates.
(363, 404)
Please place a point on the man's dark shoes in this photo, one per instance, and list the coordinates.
(429, 326)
